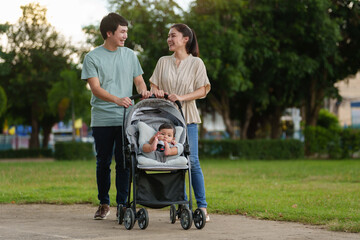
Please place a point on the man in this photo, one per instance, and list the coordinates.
(111, 70)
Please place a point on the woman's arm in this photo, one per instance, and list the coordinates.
(198, 93)
(155, 90)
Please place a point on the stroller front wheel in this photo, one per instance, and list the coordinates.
(199, 218)
(143, 218)
(129, 219)
(186, 218)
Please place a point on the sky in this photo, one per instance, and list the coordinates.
(67, 16)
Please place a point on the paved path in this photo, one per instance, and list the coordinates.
(74, 222)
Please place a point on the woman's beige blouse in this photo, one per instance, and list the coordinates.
(188, 77)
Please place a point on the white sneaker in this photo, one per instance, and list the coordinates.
(206, 214)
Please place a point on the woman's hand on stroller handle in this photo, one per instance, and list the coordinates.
(156, 93)
(160, 94)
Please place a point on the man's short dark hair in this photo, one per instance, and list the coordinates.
(110, 23)
(168, 126)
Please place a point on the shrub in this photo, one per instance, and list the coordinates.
(333, 143)
(350, 142)
(252, 149)
(73, 151)
(327, 119)
(26, 153)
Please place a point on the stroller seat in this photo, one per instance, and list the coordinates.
(143, 132)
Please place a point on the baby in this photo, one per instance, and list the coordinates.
(163, 141)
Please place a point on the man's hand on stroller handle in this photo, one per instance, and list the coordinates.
(124, 102)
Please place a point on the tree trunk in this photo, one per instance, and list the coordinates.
(275, 123)
(34, 137)
(46, 132)
(222, 106)
(313, 104)
(312, 107)
(248, 115)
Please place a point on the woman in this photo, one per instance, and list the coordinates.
(183, 77)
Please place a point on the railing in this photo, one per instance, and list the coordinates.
(13, 142)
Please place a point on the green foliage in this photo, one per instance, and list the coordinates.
(333, 143)
(74, 151)
(350, 142)
(252, 149)
(27, 153)
(3, 101)
(70, 96)
(321, 142)
(327, 120)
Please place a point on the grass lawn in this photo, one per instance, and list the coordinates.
(321, 192)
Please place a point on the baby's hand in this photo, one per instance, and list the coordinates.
(154, 142)
(173, 142)
(167, 148)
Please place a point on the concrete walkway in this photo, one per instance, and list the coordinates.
(74, 222)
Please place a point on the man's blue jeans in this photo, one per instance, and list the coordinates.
(197, 176)
(105, 140)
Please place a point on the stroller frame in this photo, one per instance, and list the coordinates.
(128, 214)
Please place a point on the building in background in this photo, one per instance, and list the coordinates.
(348, 109)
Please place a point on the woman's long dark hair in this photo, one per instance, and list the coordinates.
(192, 45)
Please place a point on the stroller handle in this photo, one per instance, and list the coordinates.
(177, 102)
(136, 96)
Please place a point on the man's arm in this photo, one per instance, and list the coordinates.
(101, 93)
(141, 86)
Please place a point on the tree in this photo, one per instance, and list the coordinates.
(286, 47)
(68, 98)
(4, 69)
(218, 27)
(38, 54)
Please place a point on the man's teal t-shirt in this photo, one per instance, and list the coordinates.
(116, 71)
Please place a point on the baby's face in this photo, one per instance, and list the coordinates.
(166, 135)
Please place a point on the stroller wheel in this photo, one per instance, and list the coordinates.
(120, 213)
(186, 218)
(199, 218)
(143, 218)
(129, 219)
(173, 213)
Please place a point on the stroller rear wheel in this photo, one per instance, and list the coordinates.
(173, 213)
(120, 213)
(186, 218)
(199, 218)
(129, 219)
(143, 218)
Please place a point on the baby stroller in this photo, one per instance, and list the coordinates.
(156, 185)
